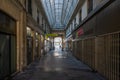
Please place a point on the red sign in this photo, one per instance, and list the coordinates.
(80, 32)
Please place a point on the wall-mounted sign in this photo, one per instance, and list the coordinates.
(51, 35)
(80, 32)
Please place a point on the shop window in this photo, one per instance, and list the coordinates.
(7, 41)
(29, 31)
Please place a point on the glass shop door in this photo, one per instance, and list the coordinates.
(7, 55)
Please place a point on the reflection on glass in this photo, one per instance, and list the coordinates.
(4, 55)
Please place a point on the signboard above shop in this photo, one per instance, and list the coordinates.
(54, 35)
(80, 32)
(51, 35)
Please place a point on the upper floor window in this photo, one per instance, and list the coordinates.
(7, 24)
(24, 3)
(80, 18)
(30, 6)
(84, 10)
(75, 22)
(38, 20)
(42, 23)
(96, 3)
(38, 16)
(90, 5)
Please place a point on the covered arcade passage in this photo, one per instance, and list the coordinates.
(59, 39)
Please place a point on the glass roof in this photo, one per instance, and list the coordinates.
(59, 12)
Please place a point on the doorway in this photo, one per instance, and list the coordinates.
(58, 43)
(7, 45)
(7, 55)
(29, 50)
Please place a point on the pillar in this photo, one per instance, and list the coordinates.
(39, 44)
(62, 43)
(34, 44)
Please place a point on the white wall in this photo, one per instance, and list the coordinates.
(84, 10)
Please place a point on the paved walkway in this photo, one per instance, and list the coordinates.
(57, 65)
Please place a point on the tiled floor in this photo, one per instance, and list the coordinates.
(58, 65)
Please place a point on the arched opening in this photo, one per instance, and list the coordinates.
(58, 43)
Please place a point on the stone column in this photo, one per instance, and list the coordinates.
(21, 40)
(62, 43)
(53, 44)
(39, 43)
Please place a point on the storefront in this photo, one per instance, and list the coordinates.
(37, 45)
(7, 45)
(42, 45)
(29, 46)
